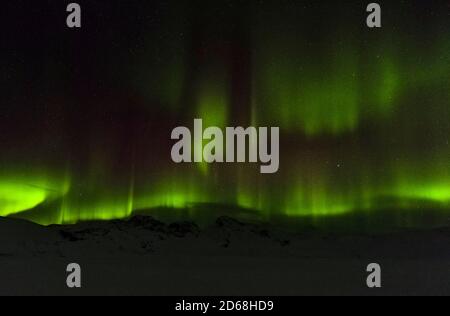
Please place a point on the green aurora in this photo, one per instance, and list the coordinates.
(364, 116)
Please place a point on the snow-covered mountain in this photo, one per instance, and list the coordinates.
(142, 255)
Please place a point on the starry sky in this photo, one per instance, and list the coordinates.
(86, 114)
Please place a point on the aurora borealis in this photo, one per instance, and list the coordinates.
(86, 115)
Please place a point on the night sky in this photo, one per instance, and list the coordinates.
(86, 114)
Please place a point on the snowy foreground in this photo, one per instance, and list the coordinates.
(142, 256)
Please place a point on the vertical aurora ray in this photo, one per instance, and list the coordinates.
(212, 107)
